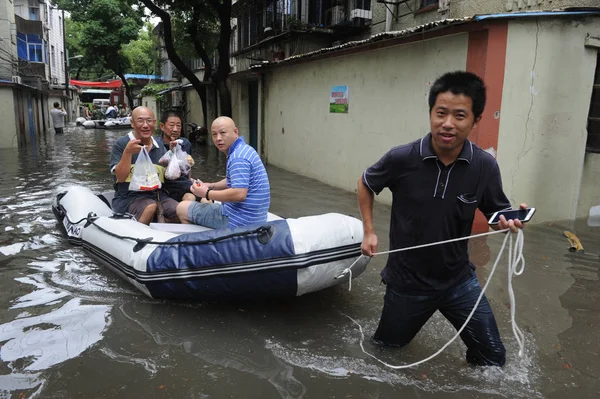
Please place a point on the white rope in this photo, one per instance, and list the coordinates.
(516, 266)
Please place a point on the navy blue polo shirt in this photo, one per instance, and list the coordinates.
(433, 202)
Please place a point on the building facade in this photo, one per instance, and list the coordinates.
(32, 69)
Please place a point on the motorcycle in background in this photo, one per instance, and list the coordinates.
(197, 134)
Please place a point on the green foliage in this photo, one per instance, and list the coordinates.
(89, 66)
(141, 52)
(103, 26)
(152, 89)
(293, 23)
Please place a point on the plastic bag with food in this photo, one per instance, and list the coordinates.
(182, 157)
(144, 176)
(173, 171)
(164, 160)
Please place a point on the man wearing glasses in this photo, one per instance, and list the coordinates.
(141, 204)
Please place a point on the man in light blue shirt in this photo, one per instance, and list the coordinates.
(245, 193)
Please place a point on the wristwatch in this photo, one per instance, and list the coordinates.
(208, 191)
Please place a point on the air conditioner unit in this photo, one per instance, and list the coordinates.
(443, 5)
(359, 13)
(54, 81)
(16, 79)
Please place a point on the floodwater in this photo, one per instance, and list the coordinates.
(69, 328)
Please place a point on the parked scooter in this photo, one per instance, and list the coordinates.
(197, 134)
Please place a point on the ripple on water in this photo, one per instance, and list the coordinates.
(447, 373)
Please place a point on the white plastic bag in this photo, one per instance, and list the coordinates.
(173, 171)
(144, 176)
(181, 156)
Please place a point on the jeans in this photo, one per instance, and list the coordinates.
(403, 316)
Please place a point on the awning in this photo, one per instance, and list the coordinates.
(95, 91)
(111, 84)
(143, 77)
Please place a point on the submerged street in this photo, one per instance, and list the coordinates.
(70, 328)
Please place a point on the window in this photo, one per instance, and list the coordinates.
(52, 57)
(31, 47)
(34, 13)
(427, 3)
(593, 125)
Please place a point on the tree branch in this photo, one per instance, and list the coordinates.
(173, 57)
(198, 47)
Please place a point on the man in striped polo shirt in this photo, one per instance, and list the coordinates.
(245, 193)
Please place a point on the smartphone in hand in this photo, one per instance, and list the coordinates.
(524, 215)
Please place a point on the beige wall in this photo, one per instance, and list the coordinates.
(387, 107)
(239, 104)
(194, 105)
(150, 102)
(545, 103)
(8, 133)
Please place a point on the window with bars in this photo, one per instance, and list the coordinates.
(258, 20)
(593, 123)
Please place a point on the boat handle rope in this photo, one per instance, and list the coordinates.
(516, 267)
(264, 234)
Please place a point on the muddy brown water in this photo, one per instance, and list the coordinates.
(69, 328)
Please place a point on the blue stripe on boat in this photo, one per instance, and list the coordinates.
(244, 249)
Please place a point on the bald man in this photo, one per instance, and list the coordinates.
(141, 204)
(245, 193)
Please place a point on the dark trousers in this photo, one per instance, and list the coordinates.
(58, 130)
(403, 316)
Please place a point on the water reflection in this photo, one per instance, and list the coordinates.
(39, 342)
(229, 348)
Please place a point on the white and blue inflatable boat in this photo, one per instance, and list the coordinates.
(281, 257)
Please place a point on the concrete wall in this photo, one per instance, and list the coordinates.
(589, 194)
(8, 40)
(194, 106)
(387, 107)
(239, 104)
(462, 8)
(55, 38)
(8, 133)
(545, 104)
(150, 102)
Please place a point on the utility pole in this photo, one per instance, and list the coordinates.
(66, 62)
